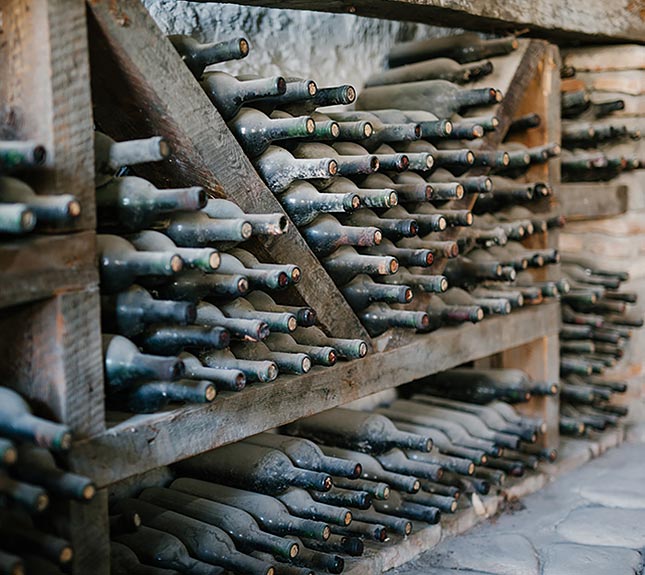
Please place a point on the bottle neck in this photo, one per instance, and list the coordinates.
(476, 97)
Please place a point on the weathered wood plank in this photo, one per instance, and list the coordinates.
(585, 201)
(144, 442)
(39, 266)
(44, 65)
(601, 58)
(591, 20)
(630, 82)
(140, 83)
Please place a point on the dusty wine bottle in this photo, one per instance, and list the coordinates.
(230, 379)
(31, 498)
(466, 47)
(303, 202)
(346, 348)
(109, 155)
(282, 342)
(17, 423)
(198, 56)
(239, 328)
(49, 210)
(229, 94)
(296, 363)
(17, 154)
(282, 322)
(253, 467)
(152, 396)
(195, 285)
(273, 224)
(379, 317)
(356, 430)
(300, 503)
(253, 370)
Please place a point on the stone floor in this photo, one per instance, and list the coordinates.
(590, 521)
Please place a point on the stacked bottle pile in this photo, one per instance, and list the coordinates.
(309, 497)
(34, 490)
(596, 330)
(372, 189)
(22, 209)
(597, 147)
(198, 318)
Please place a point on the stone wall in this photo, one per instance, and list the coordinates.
(328, 48)
(618, 242)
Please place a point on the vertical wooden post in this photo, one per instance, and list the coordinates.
(540, 359)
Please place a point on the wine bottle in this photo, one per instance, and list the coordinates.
(292, 271)
(173, 339)
(323, 97)
(123, 561)
(197, 229)
(195, 285)
(17, 423)
(270, 514)
(465, 47)
(379, 317)
(322, 561)
(370, 197)
(356, 430)
(397, 525)
(8, 452)
(352, 546)
(16, 219)
(282, 322)
(343, 497)
(298, 91)
(435, 69)
(456, 157)
(17, 155)
(303, 202)
(452, 217)
(260, 224)
(300, 503)
(445, 444)
(256, 131)
(229, 94)
(482, 385)
(349, 162)
(376, 489)
(399, 507)
(307, 455)
(152, 396)
(469, 185)
(347, 130)
(238, 524)
(462, 271)
(346, 348)
(279, 169)
(25, 539)
(263, 371)
(365, 530)
(525, 122)
(437, 96)
(325, 234)
(305, 316)
(125, 364)
(431, 126)
(390, 160)
(128, 312)
(253, 467)
(36, 465)
(296, 363)
(258, 278)
(60, 210)
(120, 263)
(204, 259)
(439, 248)
(229, 379)
(198, 56)
(282, 342)
(425, 282)
(33, 499)
(126, 522)
(405, 256)
(345, 263)
(391, 228)
(396, 461)
(381, 131)
(435, 458)
(425, 223)
(239, 328)
(109, 155)
(441, 313)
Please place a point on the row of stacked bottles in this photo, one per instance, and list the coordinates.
(378, 191)
(326, 489)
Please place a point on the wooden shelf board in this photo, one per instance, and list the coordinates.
(40, 266)
(588, 201)
(594, 21)
(143, 442)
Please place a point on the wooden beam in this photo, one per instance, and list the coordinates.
(141, 87)
(588, 201)
(37, 267)
(587, 20)
(143, 442)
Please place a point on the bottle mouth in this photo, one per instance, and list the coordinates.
(243, 47)
(296, 274)
(294, 550)
(240, 381)
(424, 322)
(408, 295)
(242, 285)
(281, 85)
(368, 130)
(393, 199)
(27, 220)
(42, 503)
(381, 534)
(209, 393)
(326, 532)
(272, 372)
(334, 130)
(469, 219)
(374, 163)
(214, 261)
(443, 285)
(74, 209)
(292, 323)
(312, 88)
(89, 491)
(402, 163)
(447, 127)
(39, 155)
(362, 352)
(478, 131)
(164, 148)
(442, 224)
(378, 237)
(202, 198)
(283, 279)
(310, 126)
(470, 158)
(331, 358)
(394, 266)
(246, 230)
(332, 167)
(506, 159)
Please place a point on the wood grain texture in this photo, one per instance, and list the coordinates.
(590, 20)
(587, 201)
(141, 87)
(37, 267)
(44, 65)
(601, 58)
(143, 442)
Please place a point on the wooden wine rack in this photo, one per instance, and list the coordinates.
(49, 305)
